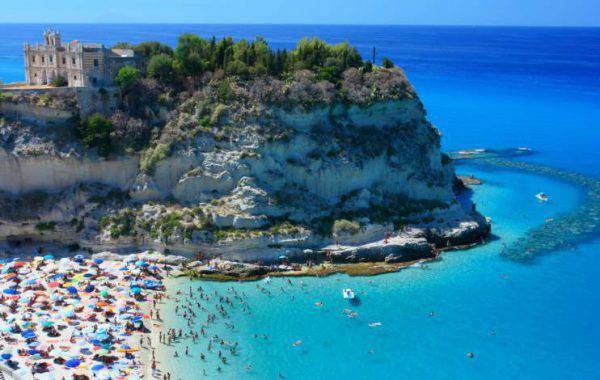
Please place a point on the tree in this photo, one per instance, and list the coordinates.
(161, 67)
(387, 63)
(96, 133)
(58, 81)
(193, 55)
(149, 49)
(126, 77)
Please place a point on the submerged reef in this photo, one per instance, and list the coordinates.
(566, 230)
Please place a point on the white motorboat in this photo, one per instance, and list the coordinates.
(348, 294)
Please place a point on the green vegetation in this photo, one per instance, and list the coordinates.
(387, 63)
(126, 77)
(344, 226)
(58, 81)
(121, 224)
(45, 226)
(152, 155)
(95, 133)
(162, 67)
(194, 56)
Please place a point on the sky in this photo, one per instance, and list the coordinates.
(390, 12)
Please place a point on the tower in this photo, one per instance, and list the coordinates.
(51, 38)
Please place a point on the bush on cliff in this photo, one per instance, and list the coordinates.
(95, 133)
(126, 77)
(343, 226)
(162, 68)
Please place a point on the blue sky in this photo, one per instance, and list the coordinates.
(454, 12)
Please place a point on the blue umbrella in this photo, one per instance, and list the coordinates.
(6, 356)
(60, 275)
(72, 290)
(72, 363)
(98, 261)
(48, 257)
(89, 289)
(10, 291)
(136, 290)
(98, 367)
(141, 263)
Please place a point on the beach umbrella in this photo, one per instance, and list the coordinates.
(48, 257)
(98, 367)
(89, 289)
(72, 363)
(98, 261)
(9, 291)
(136, 290)
(6, 355)
(72, 290)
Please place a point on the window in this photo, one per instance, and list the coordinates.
(43, 59)
(73, 61)
(35, 75)
(94, 80)
(33, 59)
(75, 77)
(50, 59)
(95, 63)
(64, 61)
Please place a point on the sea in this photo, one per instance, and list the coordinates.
(483, 87)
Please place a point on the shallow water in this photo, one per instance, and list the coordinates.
(470, 292)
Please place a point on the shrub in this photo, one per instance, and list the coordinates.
(162, 68)
(95, 133)
(344, 226)
(126, 77)
(58, 81)
(45, 226)
(387, 63)
(153, 155)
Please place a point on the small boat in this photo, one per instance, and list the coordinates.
(267, 280)
(542, 197)
(375, 324)
(348, 294)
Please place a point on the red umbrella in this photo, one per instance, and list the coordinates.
(53, 284)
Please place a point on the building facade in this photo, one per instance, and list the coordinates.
(80, 64)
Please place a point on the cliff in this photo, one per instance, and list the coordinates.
(250, 169)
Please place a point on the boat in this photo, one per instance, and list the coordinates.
(542, 197)
(374, 324)
(348, 294)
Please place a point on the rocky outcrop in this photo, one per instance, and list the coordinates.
(250, 177)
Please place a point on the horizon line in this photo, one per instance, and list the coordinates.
(300, 24)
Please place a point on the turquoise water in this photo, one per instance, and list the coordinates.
(483, 87)
(535, 310)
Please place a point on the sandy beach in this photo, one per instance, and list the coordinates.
(77, 317)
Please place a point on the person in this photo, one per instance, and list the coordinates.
(470, 355)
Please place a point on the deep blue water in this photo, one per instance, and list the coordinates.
(483, 87)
